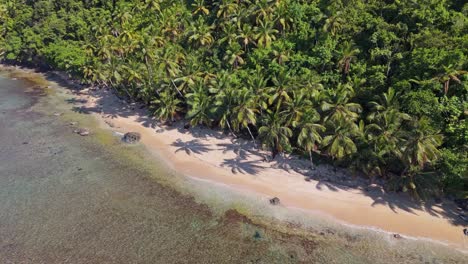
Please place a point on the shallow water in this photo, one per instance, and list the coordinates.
(71, 199)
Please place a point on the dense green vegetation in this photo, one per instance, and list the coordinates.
(379, 86)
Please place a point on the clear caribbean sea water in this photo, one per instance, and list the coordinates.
(71, 199)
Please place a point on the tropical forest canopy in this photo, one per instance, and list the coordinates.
(378, 86)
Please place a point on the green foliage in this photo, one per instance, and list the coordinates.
(377, 85)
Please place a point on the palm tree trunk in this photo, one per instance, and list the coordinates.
(230, 129)
(250, 132)
(150, 74)
(310, 157)
(177, 89)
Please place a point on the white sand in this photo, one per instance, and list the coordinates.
(211, 155)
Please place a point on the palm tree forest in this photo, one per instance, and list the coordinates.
(376, 86)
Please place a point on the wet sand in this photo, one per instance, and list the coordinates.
(116, 205)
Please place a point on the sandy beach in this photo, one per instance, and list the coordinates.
(215, 156)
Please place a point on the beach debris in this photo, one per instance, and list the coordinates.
(58, 114)
(131, 137)
(274, 201)
(82, 132)
(187, 126)
(307, 179)
(465, 231)
(25, 143)
(397, 236)
(73, 123)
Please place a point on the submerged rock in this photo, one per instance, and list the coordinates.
(131, 137)
(274, 201)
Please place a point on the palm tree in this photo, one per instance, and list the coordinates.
(309, 135)
(281, 51)
(263, 9)
(265, 33)
(278, 93)
(274, 133)
(234, 56)
(200, 102)
(420, 146)
(199, 6)
(340, 143)
(333, 24)
(246, 34)
(296, 108)
(244, 112)
(224, 86)
(167, 106)
(200, 33)
(348, 53)
(339, 107)
(226, 8)
(229, 32)
(450, 74)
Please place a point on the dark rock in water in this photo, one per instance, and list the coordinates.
(81, 131)
(186, 125)
(274, 201)
(397, 236)
(131, 137)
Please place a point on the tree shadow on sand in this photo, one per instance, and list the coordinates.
(192, 146)
(242, 166)
(110, 106)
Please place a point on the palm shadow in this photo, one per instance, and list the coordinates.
(110, 105)
(242, 166)
(192, 146)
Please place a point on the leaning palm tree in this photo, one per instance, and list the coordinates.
(309, 135)
(420, 146)
(245, 111)
(274, 133)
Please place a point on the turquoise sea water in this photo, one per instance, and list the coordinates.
(71, 199)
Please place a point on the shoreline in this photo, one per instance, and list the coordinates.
(209, 155)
